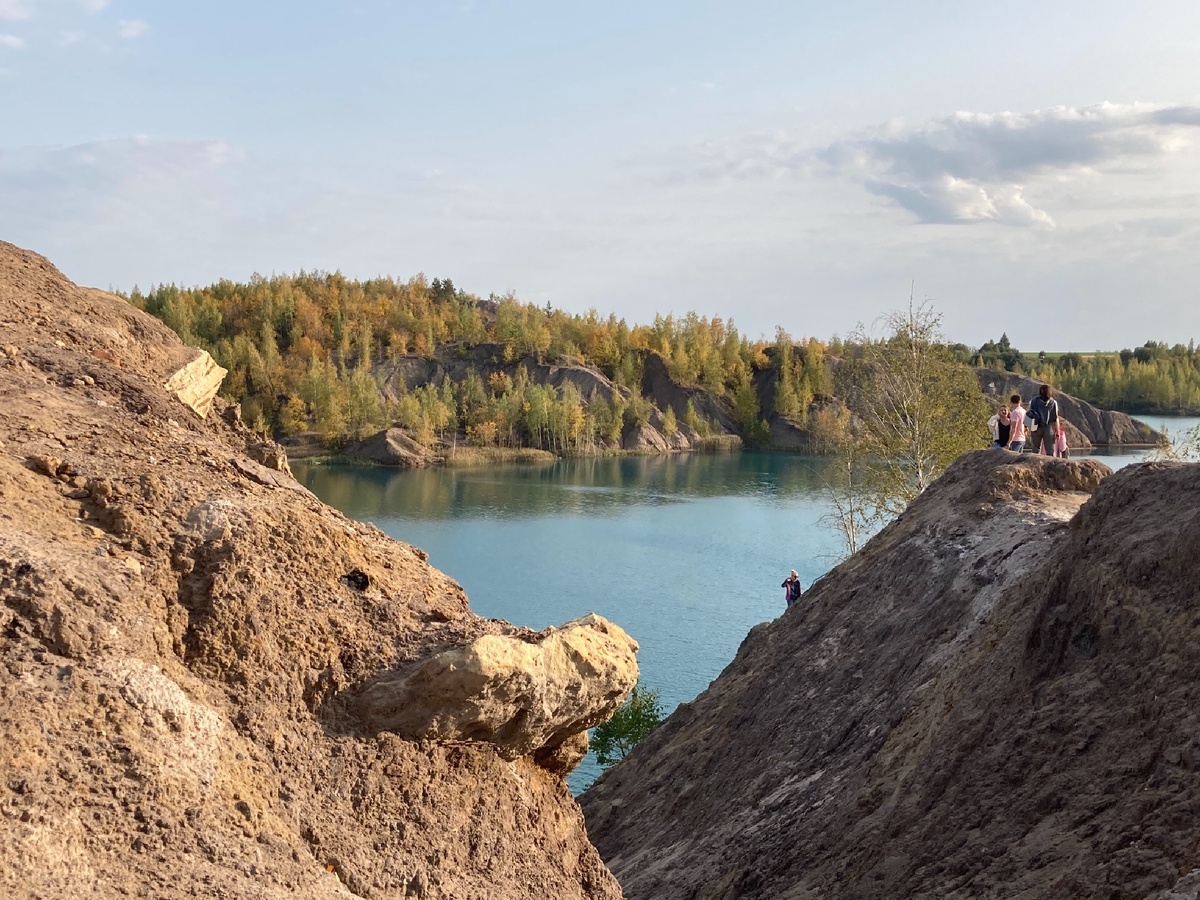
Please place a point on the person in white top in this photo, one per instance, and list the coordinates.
(1016, 437)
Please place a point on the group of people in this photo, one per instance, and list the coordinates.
(1041, 421)
(1009, 426)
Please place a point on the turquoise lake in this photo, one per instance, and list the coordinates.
(686, 553)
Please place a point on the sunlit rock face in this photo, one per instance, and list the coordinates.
(197, 383)
(183, 629)
(524, 695)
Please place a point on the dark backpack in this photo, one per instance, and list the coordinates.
(1040, 412)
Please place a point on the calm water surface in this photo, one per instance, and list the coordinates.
(686, 553)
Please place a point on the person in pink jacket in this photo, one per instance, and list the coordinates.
(1060, 441)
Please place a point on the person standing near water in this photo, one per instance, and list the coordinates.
(791, 587)
(1017, 417)
(1044, 410)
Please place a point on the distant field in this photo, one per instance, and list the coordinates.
(1055, 354)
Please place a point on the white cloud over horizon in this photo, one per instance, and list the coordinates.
(132, 28)
(141, 210)
(968, 167)
(974, 167)
(23, 10)
(65, 23)
(14, 11)
(772, 163)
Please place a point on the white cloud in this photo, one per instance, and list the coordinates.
(49, 179)
(21, 10)
(969, 168)
(132, 28)
(12, 41)
(951, 201)
(975, 167)
(14, 10)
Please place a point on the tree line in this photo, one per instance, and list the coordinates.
(305, 352)
(1154, 379)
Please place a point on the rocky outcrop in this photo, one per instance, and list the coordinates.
(997, 697)
(528, 695)
(185, 633)
(644, 439)
(454, 361)
(391, 447)
(1087, 426)
(664, 392)
(196, 383)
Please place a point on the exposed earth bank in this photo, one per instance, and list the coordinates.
(998, 697)
(213, 685)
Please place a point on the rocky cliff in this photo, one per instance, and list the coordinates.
(456, 361)
(213, 685)
(998, 697)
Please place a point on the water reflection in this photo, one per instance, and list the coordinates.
(564, 487)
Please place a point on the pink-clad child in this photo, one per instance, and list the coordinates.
(1060, 441)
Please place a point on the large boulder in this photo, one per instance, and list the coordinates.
(644, 439)
(526, 695)
(390, 447)
(196, 383)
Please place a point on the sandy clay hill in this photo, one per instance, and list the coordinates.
(213, 685)
(998, 697)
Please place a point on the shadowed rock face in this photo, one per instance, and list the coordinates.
(998, 697)
(183, 630)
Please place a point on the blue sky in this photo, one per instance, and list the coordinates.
(1033, 171)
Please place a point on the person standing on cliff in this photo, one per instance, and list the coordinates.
(1001, 425)
(791, 588)
(1016, 438)
(1044, 410)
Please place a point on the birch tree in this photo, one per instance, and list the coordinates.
(916, 409)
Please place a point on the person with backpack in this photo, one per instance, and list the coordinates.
(1043, 409)
(1017, 416)
(791, 588)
